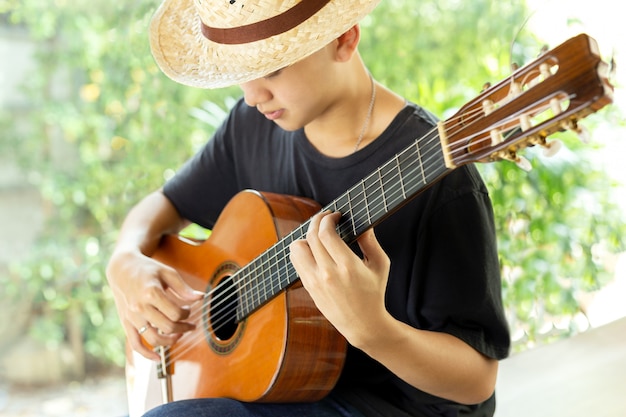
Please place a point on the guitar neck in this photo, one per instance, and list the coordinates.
(550, 94)
(363, 206)
(389, 187)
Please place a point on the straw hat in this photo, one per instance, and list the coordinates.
(218, 43)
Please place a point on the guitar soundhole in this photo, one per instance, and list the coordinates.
(223, 310)
(223, 331)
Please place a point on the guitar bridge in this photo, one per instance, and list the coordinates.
(164, 374)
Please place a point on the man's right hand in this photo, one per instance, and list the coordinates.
(152, 299)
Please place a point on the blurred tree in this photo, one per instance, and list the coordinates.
(552, 221)
(107, 127)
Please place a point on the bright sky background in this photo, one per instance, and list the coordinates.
(558, 20)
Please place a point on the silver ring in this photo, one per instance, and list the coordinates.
(143, 329)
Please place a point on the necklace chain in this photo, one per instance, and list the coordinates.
(369, 115)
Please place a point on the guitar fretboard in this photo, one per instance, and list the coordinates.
(363, 206)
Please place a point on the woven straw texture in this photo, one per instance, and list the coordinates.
(186, 56)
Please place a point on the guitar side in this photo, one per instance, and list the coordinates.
(264, 353)
(285, 351)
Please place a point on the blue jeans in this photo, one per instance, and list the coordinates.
(223, 407)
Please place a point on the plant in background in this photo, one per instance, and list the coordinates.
(106, 127)
(549, 220)
(551, 224)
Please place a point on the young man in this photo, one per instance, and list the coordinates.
(418, 300)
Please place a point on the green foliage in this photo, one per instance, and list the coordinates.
(552, 221)
(440, 54)
(107, 127)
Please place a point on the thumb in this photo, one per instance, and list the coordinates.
(373, 254)
(173, 281)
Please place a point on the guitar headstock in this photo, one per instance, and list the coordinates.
(550, 94)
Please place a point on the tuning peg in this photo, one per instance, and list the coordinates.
(520, 161)
(523, 163)
(552, 148)
(486, 86)
(583, 134)
(581, 131)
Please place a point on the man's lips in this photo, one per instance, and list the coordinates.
(273, 115)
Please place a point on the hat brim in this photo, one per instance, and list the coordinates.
(186, 56)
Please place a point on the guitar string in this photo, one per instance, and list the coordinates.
(220, 313)
(356, 215)
(475, 111)
(217, 313)
(366, 207)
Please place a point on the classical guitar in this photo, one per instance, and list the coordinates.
(259, 336)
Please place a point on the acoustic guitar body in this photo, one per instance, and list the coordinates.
(284, 351)
(272, 344)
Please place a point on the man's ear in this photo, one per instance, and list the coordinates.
(348, 42)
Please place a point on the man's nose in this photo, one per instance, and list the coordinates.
(255, 93)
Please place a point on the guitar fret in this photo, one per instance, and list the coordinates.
(242, 296)
(436, 159)
(245, 283)
(358, 200)
(410, 167)
(283, 269)
(421, 163)
(389, 184)
(382, 190)
(400, 181)
(290, 272)
(361, 206)
(249, 295)
(350, 214)
(256, 280)
(367, 204)
(276, 281)
(246, 290)
(376, 203)
(274, 274)
(257, 287)
(342, 205)
(574, 74)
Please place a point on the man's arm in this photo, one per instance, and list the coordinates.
(350, 292)
(140, 283)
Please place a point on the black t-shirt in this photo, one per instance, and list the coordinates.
(445, 274)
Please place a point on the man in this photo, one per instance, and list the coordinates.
(418, 299)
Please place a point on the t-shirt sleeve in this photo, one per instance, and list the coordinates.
(463, 295)
(208, 180)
